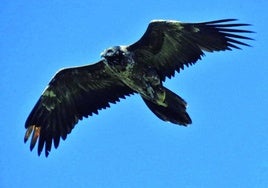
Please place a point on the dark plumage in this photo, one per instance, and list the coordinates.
(166, 47)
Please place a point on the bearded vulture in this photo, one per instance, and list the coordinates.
(141, 68)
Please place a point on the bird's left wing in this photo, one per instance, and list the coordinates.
(72, 94)
(168, 46)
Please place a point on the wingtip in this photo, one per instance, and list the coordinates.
(28, 133)
(221, 21)
(47, 153)
(35, 131)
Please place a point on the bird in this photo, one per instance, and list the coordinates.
(166, 47)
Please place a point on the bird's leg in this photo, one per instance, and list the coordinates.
(152, 77)
(154, 88)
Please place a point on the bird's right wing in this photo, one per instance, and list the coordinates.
(72, 94)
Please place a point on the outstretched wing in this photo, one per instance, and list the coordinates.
(169, 45)
(72, 94)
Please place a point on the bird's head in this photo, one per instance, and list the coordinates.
(114, 53)
(111, 52)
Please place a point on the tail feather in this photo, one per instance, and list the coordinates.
(174, 112)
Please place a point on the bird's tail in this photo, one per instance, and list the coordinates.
(174, 112)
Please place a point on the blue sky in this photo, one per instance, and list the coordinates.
(126, 145)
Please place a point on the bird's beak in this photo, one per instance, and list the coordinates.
(103, 54)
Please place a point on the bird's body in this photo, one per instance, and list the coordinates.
(143, 80)
(166, 47)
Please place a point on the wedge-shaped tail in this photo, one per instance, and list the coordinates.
(174, 112)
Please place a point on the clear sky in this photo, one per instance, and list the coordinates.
(126, 145)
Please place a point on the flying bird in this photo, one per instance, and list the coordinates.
(166, 47)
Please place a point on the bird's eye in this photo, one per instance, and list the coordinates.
(110, 52)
